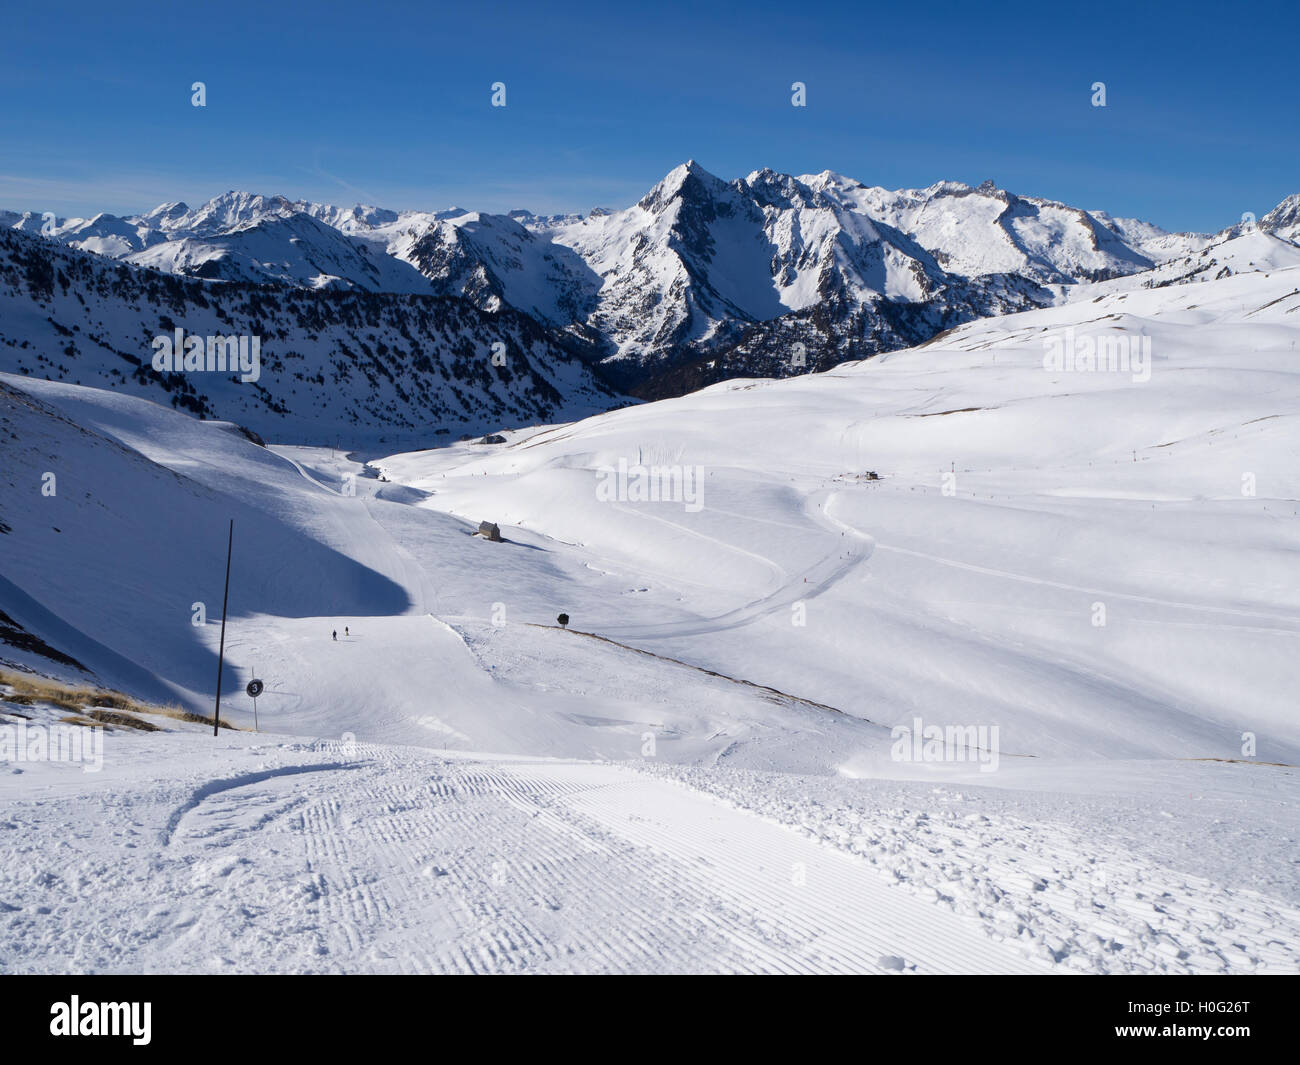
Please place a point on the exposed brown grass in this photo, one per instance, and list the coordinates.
(109, 717)
(113, 699)
(179, 713)
(91, 706)
(27, 690)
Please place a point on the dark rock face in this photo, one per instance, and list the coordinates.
(378, 366)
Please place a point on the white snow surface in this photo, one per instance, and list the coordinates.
(689, 779)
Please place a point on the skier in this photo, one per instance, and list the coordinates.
(336, 634)
(345, 631)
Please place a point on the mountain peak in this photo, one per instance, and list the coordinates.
(1287, 212)
(677, 179)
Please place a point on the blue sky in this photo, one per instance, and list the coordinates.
(391, 103)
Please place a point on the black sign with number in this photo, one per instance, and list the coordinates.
(254, 688)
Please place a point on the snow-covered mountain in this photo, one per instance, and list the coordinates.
(1284, 220)
(701, 280)
(706, 279)
(495, 261)
(292, 248)
(698, 260)
(986, 230)
(1238, 250)
(233, 209)
(1155, 243)
(360, 366)
(105, 234)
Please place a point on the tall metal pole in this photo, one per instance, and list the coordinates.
(221, 656)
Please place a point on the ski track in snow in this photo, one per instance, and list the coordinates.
(810, 583)
(331, 857)
(397, 860)
(1082, 901)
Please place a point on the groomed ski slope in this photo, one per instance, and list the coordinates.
(387, 859)
(692, 781)
(249, 855)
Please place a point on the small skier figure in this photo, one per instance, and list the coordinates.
(345, 631)
(336, 634)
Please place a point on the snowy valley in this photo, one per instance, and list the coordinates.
(1035, 485)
